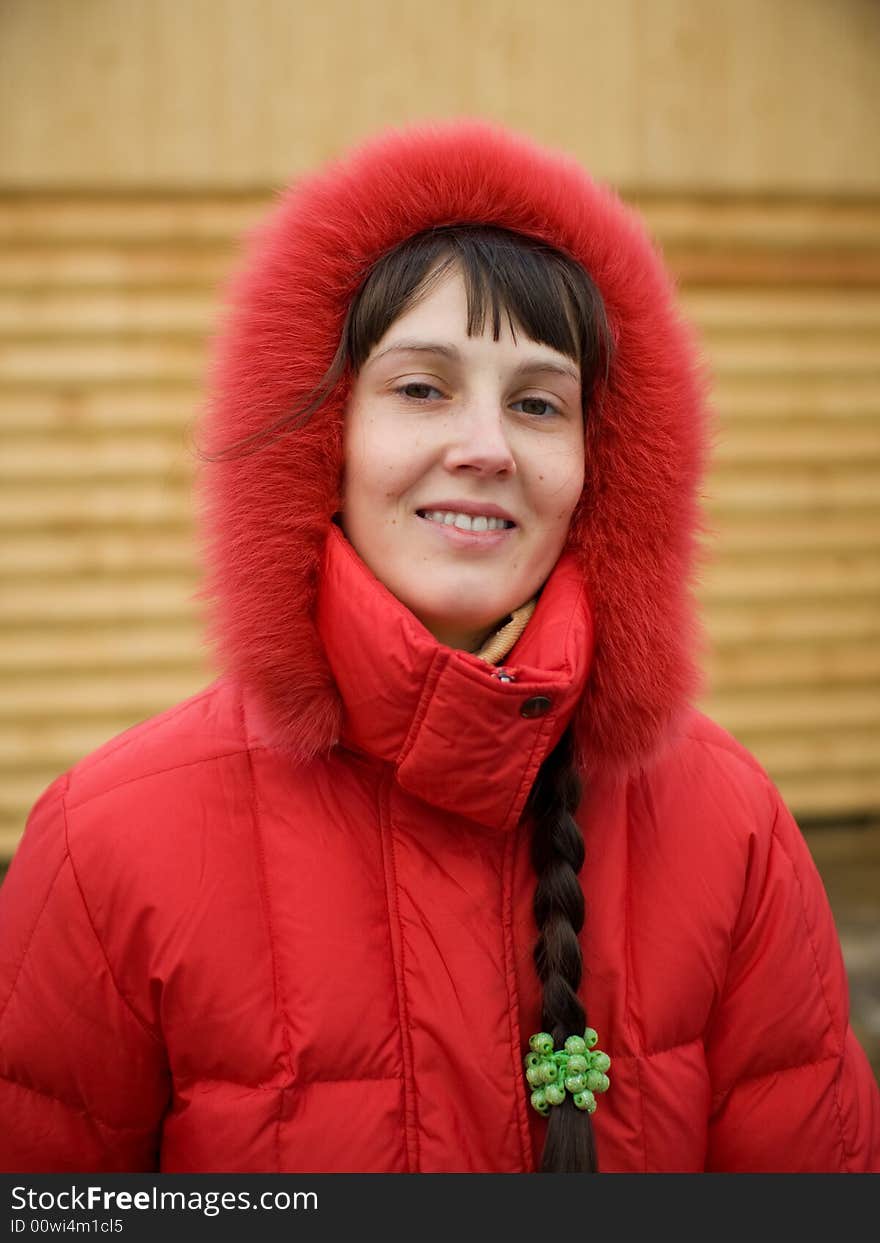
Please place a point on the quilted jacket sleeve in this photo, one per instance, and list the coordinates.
(793, 1089)
(83, 1082)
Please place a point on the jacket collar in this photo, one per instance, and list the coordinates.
(437, 714)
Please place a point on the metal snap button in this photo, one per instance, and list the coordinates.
(538, 705)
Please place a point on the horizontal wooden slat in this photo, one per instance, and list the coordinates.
(744, 621)
(108, 407)
(66, 506)
(75, 553)
(74, 314)
(136, 697)
(59, 742)
(742, 442)
(832, 794)
(783, 396)
(127, 360)
(87, 459)
(797, 532)
(815, 747)
(806, 578)
(132, 597)
(762, 354)
(774, 222)
(719, 311)
(840, 266)
(818, 485)
(178, 645)
(768, 665)
(184, 265)
(84, 218)
(744, 711)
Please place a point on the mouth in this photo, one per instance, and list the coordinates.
(477, 523)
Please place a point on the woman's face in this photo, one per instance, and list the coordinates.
(445, 436)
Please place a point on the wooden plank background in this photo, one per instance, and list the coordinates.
(106, 304)
(667, 94)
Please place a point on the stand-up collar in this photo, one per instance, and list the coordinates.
(438, 714)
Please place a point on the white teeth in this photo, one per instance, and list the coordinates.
(465, 522)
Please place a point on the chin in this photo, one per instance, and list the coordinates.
(453, 619)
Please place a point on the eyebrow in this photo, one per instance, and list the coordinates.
(569, 370)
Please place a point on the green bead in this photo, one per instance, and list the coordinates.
(532, 1059)
(535, 1076)
(604, 1085)
(555, 1094)
(574, 1044)
(539, 1101)
(601, 1061)
(548, 1071)
(591, 1037)
(585, 1100)
(593, 1080)
(541, 1042)
(575, 1083)
(577, 1065)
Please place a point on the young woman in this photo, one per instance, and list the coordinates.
(444, 873)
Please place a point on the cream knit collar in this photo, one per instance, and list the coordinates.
(499, 644)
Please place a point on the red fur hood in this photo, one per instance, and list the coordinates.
(265, 516)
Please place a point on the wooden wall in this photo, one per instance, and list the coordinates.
(105, 306)
(673, 94)
(137, 139)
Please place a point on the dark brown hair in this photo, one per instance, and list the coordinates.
(550, 298)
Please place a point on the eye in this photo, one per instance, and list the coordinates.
(417, 391)
(538, 406)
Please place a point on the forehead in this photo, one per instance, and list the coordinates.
(439, 316)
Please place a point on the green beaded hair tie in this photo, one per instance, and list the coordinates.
(578, 1068)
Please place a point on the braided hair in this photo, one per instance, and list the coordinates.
(557, 857)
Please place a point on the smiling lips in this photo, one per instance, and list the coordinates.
(476, 517)
(465, 522)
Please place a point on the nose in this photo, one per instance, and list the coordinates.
(479, 441)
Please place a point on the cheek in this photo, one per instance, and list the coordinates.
(560, 481)
(379, 465)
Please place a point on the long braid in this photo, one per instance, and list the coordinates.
(557, 857)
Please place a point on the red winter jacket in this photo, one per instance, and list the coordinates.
(287, 925)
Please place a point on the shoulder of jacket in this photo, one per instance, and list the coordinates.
(197, 731)
(700, 731)
(704, 768)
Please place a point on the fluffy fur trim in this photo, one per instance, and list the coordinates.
(265, 516)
